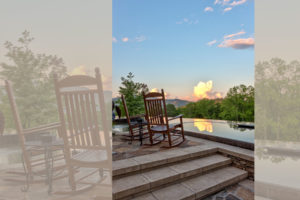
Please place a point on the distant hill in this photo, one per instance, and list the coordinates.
(177, 102)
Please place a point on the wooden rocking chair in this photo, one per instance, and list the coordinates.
(158, 121)
(32, 152)
(80, 101)
(135, 124)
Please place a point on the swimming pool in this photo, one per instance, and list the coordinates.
(220, 128)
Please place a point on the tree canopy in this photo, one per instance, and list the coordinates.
(31, 76)
(133, 94)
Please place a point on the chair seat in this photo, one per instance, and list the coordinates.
(91, 156)
(162, 128)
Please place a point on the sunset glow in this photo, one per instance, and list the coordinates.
(203, 125)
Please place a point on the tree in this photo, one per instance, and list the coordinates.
(238, 104)
(171, 110)
(133, 94)
(31, 76)
(207, 108)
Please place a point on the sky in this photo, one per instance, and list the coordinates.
(192, 49)
(75, 30)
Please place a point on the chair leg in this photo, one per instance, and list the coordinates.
(72, 178)
(151, 138)
(170, 141)
(101, 173)
(182, 132)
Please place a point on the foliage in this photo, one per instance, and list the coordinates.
(238, 104)
(133, 94)
(31, 77)
(277, 100)
(171, 110)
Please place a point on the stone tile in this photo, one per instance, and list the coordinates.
(151, 160)
(202, 185)
(174, 192)
(124, 166)
(186, 169)
(214, 181)
(238, 152)
(244, 194)
(148, 196)
(175, 155)
(129, 185)
(211, 162)
(201, 150)
(161, 176)
(247, 184)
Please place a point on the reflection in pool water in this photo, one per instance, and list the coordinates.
(220, 128)
(204, 125)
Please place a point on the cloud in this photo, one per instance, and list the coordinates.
(234, 34)
(114, 40)
(187, 21)
(238, 43)
(154, 90)
(217, 2)
(227, 9)
(236, 3)
(80, 70)
(140, 38)
(204, 90)
(211, 43)
(125, 39)
(203, 125)
(208, 9)
(224, 2)
(167, 95)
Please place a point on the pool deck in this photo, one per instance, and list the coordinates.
(242, 190)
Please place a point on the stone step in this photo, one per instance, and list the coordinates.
(154, 178)
(140, 163)
(198, 187)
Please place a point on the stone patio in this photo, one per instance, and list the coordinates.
(243, 190)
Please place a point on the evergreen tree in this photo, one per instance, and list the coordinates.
(133, 94)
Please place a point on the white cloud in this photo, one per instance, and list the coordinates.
(227, 9)
(187, 21)
(211, 43)
(114, 40)
(217, 2)
(236, 3)
(204, 90)
(208, 9)
(80, 70)
(243, 43)
(125, 39)
(234, 34)
(140, 38)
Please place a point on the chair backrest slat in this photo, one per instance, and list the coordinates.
(79, 111)
(70, 133)
(84, 121)
(155, 108)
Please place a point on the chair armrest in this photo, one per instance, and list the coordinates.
(178, 116)
(43, 128)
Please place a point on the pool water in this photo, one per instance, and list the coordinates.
(220, 128)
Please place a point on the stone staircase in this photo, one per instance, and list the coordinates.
(187, 173)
